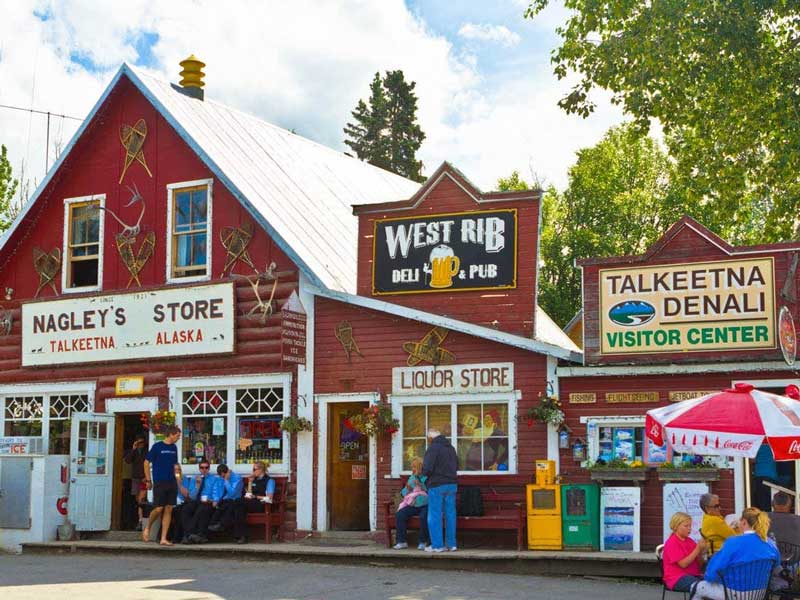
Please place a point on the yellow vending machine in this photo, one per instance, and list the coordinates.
(544, 508)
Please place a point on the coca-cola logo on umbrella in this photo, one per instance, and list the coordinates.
(743, 446)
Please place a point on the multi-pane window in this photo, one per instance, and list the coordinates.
(258, 415)
(24, 415)
(204, 426)
(189, 232)
(621, 443)
(61, 409)
(45, 415)
(479, 432)
(83, 244)
(232, 420)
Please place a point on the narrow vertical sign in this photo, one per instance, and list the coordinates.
(293, 337)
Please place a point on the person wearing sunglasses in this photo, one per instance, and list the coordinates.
(714, 529)
(196, 513)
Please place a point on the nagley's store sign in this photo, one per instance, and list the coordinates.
(455, 379)
(152, 324)
(725, 305)
(445, 253)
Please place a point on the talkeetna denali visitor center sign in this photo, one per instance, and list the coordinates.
(724, 305)
(445, 252)
(149, 324)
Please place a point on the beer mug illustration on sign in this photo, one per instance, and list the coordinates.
(444, 266)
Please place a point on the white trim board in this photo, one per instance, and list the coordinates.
(171, 189)
(68, 202)
(322, 401)
(478, 331)
(305, 408)
(672, 369)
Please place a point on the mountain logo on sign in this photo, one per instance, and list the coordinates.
(632, 313)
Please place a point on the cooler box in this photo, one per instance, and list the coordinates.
(580, 516)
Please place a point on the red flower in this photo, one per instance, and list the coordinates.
(530, 422)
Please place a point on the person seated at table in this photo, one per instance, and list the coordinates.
(414, 504)
(230, 512)
(260, 488)
(784, 524)
(750, 546)
(713, 528)
(682, 557)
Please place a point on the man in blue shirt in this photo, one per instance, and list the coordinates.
(159, 473)
(231, 511)
(187, 496)
(197, 513)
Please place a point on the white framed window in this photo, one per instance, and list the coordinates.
(44, 410)
(232, 420)
(82, 255)
(610, 437)
(481, 427)
(189, 217)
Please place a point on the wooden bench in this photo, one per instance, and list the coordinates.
(503, 509)
(274, 515)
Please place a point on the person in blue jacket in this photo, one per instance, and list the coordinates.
(196, 513)
(231, 509)
(750, 546)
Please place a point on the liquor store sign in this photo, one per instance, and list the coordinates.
(187, 321)
(445, 253)
(453, 379)
(719, 306)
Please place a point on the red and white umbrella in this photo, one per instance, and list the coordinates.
(734, 422)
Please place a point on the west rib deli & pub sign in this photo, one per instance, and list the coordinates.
(445, 252)
(693, 307)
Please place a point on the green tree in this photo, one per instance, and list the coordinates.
(618, 201)
(8, 187)
(385, 132)
(720, 77)
(512, 183)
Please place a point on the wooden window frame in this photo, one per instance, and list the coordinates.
(172, 190)
(66, 267)
(454, 400)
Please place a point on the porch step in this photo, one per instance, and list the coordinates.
(341, 539)
(112, 536)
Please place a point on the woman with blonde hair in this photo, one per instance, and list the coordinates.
(415, 503)
(682, 556)
(751, 546)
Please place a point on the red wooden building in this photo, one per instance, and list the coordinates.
(693, 315)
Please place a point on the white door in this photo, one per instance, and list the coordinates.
(91, 465)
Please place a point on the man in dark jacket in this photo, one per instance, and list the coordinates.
(440, 466)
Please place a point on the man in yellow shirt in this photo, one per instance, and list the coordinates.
(713, 528)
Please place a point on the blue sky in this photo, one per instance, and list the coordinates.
(487, 94)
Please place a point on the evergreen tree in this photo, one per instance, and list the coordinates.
(385, 133)
(8, 187)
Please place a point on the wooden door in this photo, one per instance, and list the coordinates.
(348, 481)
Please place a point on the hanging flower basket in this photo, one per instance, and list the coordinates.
(158, 422)
(376, 419)
(295, 424)
(548, 411)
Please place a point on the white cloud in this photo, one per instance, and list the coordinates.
(489, 33)
(301, 65)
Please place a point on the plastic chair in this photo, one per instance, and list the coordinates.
(747, 580)
(790, 561)
(664, 588)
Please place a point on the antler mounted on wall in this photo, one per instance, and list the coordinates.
(133, 260)
(262, 310)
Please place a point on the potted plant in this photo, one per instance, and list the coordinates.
(617, 469)
(158, 421)
(376, 419)
(295, 424)
(548, 411)
(697, 468)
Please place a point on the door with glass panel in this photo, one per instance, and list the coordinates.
(349, 470)
(91, 466)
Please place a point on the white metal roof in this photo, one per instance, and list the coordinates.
(550, 333)
(299, 191)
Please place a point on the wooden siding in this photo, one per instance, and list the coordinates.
(513, 309)
(687, 246)
(571, 470)
(380, 338)
(94, 168)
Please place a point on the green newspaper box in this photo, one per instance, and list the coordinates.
(580, 519)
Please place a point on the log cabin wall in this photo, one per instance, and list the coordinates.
(93, 168)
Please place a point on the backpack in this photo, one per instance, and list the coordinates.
(471, 502)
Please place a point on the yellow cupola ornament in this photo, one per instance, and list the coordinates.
(192, 76)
